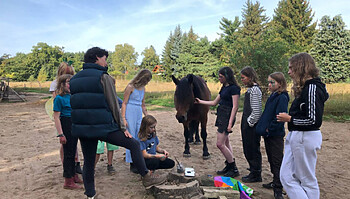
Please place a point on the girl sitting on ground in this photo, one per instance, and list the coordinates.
(155, 157)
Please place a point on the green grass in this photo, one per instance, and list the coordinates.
(337, 108)
(32, 90)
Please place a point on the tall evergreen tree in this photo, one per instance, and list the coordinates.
(176, 49)
(223, 48)
(256, 45)
(167, 61)
(331, 49)
(292, 20)
(254, 20)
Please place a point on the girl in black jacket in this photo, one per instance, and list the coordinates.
(272, 130)
(297, 174)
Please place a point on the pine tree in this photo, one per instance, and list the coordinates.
(254, 20)
(331, 49)
(257, 45)
(176, 49)
(293, 22)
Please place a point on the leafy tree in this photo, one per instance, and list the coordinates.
(77, 60)
(150, 59)
(124, 58)
(44, 56)
(42, 76)
(331, 49)
(292, 21)
(15, 67)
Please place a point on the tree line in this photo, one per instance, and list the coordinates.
(254, 40)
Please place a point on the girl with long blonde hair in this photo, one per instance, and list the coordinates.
(133, 106)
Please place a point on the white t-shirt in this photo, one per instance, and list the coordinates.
(53, 86)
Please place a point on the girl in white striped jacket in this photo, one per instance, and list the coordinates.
(250, 117)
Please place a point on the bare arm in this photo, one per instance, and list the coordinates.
(209, 103)
(148, 156)
(128, 90)
(163, 151)
(143, 105)
(235, 99)
(56, 118)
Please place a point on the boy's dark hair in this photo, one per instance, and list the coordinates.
(91, 55)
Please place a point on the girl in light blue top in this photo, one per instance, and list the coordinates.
(134, 105)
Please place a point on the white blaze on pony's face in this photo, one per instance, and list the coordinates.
(183, 98)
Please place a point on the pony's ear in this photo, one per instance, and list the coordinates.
(190, 79)
(176, 81)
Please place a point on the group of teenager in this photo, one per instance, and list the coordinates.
(295, 169)
(86, 107)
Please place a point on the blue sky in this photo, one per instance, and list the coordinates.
(78, 25)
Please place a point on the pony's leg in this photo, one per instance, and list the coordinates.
(206, 154)
(191, 132)
(194, 130)
(187, 146)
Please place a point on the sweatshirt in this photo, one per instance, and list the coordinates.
(275, 104)
(307, 109)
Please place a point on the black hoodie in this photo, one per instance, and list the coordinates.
(307, 109)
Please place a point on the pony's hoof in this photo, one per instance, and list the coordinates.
(197, 142)
(206, 157)
(187, 155)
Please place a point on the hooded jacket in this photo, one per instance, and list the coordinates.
(275, 104)
(307, 109)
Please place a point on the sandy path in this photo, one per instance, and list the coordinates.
(30, 166)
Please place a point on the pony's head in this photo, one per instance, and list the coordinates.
(184, 97)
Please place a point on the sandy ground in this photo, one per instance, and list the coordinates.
(30, 166)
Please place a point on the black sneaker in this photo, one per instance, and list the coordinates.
(278, 195)
(252, 178)
(110, 169)
(268, 185)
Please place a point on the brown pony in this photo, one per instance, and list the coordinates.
(190, 114)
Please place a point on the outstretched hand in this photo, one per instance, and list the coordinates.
(283, 117)
(197, 101)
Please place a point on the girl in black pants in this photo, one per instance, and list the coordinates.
(250, 116)
(63, 124)
(155, 157)
(272, 130)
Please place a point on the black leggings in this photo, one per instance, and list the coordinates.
(155, 163)
(118, 138)
(69, 148)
